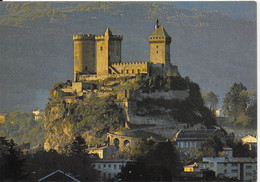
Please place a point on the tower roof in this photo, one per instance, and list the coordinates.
(159, 31)
(108, 31)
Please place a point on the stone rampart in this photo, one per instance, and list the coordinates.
(130, 64)
(102, 77)
(83, 36)
(101, 37)
(169, 95)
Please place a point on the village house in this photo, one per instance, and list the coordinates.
(3, 117)
(250, 141)
(109, 169)
(187, 139)
(103, 152)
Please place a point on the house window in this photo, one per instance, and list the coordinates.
(182, 144)
(114, 166)
(104, 166)
(248, 174)
(120, 166)
(234, 165)
(225, 164)
(94, 165)
(248, 167)
(225, 171)
(109, 166)
(190, 144)
(234, 170)
(109, 176)
(187, 144)
(99, 166)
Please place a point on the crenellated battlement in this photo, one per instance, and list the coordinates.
(155, 37)
(101, 37)
(116, 36)
(81, 36)
(130, 63)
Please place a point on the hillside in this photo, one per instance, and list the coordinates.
(36, 47)
(102, 108)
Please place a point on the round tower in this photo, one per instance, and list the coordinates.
(84, 54)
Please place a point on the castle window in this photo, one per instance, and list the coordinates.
(156, 46)
(138, 71)
(133, 71)
(101, 48)
(126, 71)
(157, 52)
(86, 68)
(122, 71)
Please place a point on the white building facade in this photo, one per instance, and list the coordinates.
(240, 168)
(109, 169)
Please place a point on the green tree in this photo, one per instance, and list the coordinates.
(212, 146)
(252, 109)
(235, 103)
(141, 148)
(78, 148)
(12, 162)
(43, 163)
(211, 100)
(239, 149)
(21, 127)
(159, 162)
(165, 159)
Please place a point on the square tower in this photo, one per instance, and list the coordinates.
(108, 51)
(159, 45)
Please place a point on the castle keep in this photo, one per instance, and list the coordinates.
(99, 56)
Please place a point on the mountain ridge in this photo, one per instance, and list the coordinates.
(40, 52)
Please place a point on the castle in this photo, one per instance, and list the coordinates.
(97, 65)
(99, 56)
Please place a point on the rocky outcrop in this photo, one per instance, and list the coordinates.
(135, 104)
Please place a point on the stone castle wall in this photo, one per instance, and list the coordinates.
(131, 68)
(169, 95)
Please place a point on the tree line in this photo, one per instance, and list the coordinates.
(239, 105)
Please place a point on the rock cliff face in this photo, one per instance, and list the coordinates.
(160, 106)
